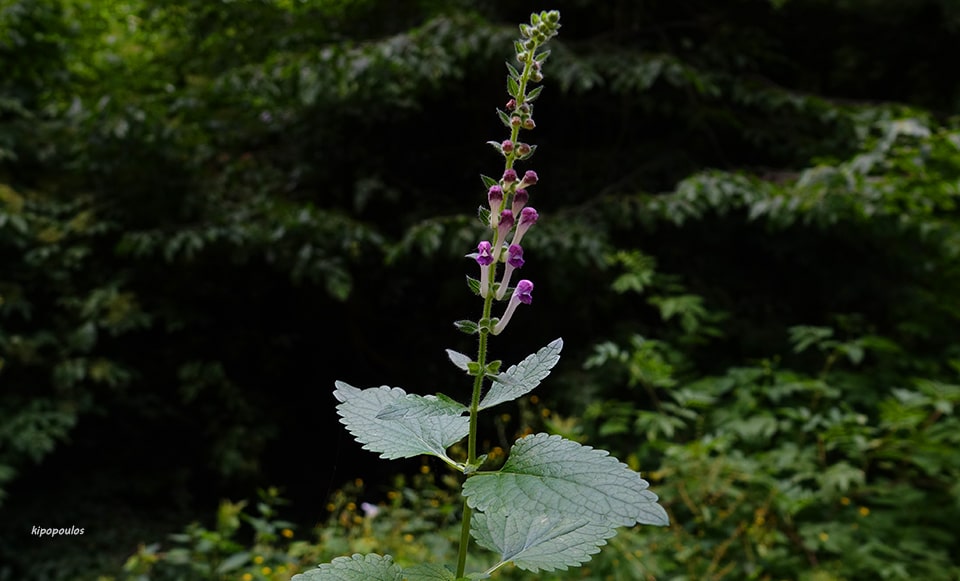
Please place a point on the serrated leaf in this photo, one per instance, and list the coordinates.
(468, 327)
(355, 568)
(458, 359)
(428, 572)
(523, 377)
(504, 118)
(540, 542)
(483, 214)
(474, 285)
(532, 95)
(425, 406)
(514, 73)
(488, 181)
(542, 57)
(513, 89)
(549, 474)
(402, 437)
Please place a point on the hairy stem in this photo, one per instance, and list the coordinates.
(472, 437)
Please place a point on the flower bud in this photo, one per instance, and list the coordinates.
(509, 176)
(506, 146)
(515, 121)
(528, 217)
(528, 123)
(523, 150)
(495, 199)
(536, 76)
(530, 178)
(511, 104)
(507, 221)
(520, 198)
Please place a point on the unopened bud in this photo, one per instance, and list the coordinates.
(509, 176)
(530, 178)
(520, 199)
(511, 104)
(506, 146)
(528, 123)
(523, 150)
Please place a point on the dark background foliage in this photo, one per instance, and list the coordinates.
(210, 211)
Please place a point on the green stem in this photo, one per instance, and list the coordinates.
(472, 437)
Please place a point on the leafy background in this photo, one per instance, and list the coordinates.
(211, 211)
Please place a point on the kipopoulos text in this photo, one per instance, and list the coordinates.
(56, 532)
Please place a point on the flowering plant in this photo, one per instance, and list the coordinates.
(554, 502)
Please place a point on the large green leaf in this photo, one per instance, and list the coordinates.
(551, 475)
(523, 377)
(355, 568)
(428, 572)
(537, 542)
(424, 406)
(398, 435)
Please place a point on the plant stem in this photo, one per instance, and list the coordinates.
(472, 437)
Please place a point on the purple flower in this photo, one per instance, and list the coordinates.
(509, 176)
(506, 146)
(530, 178)
(523, 150)
(522, 294)
(514, 260)
(484, 254)
(515, 256)
(484, 258)
(520, 198)
(528, 217)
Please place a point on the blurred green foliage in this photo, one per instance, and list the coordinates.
(749, 230)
